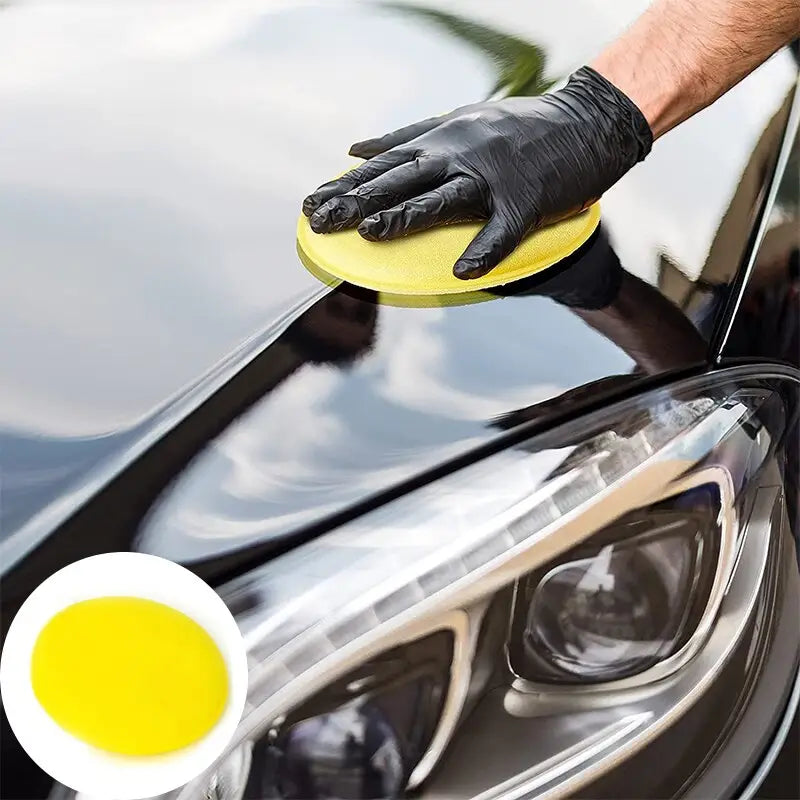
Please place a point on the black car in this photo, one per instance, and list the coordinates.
(532, 542)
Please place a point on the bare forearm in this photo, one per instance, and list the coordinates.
(681, 55)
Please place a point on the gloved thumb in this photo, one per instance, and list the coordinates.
(498, 237)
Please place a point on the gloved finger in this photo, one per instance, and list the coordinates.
(457, 199)
(493, 243)
(373, 147)
(361, 174)
(383, 192)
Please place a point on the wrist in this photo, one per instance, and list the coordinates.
(661, 102)
(633, 131)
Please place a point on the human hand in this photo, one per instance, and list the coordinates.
(519, 163)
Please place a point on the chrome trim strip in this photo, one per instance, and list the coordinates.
(466, 627)
(589, 749)
(778, 741)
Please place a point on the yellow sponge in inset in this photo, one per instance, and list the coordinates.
(422, 263)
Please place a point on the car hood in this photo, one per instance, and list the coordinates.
(154, 160)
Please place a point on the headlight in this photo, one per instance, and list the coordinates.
(359, 736)
(628, 598)
(521, 625)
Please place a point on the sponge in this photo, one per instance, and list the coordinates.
(422, 263)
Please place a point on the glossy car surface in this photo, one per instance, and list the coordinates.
(174, 380)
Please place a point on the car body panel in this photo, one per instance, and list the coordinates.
(177, 382)
(156, 230)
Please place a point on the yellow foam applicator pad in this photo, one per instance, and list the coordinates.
(422, 263)
(129, 675)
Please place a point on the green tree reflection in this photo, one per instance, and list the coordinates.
(520, 65)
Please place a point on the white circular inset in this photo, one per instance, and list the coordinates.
(81, 766)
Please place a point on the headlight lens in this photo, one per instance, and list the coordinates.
(361, 736)
(512, 624)
(350, 752)
(623, 602)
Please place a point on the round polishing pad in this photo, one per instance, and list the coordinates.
(422, 263)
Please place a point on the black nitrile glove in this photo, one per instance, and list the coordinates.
(521, 163)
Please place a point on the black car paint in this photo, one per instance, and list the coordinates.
(175, 229)
(160, 229)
